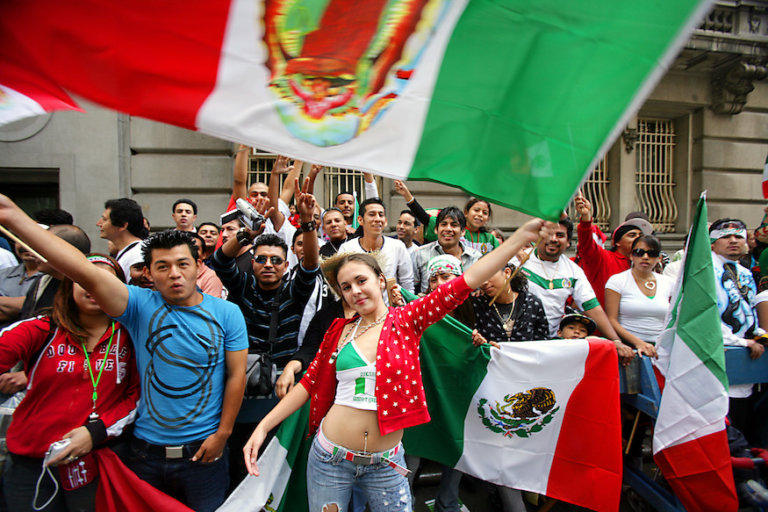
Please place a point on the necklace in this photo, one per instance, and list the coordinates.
(95, 382)
(743, 290)
(508, 322)
(649, 284)
(355, 335)
(547, 275)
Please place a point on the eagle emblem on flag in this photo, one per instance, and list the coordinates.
(519, 414)
(337, 65)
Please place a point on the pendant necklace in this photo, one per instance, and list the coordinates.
(355, 335)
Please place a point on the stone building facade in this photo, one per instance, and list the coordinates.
(704, 127)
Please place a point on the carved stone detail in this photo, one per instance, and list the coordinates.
(630, 137)
(732, 83)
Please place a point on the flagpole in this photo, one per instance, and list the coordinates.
(514, 272)
(21, 243)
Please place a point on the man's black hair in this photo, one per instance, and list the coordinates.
(74, 235)
(416, 222)
(343, 193)
(127, 211)
(371, 200)
(53, 217)
(295, 236)
(270, 240)
(218, 228)
(185, 201)
(568, 227)
(452, 213)
(168, 240)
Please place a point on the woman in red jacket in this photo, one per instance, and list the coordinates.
(83, 387)
(365, 382)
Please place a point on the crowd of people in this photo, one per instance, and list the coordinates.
(151, 350)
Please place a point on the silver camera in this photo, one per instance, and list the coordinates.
(55, 449)
(246, 214)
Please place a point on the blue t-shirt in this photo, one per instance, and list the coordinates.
(180, 357)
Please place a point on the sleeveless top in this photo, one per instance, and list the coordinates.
(356, 379)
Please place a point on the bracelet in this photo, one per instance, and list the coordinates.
(242, 237)
(308, 226)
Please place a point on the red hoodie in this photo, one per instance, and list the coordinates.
(59, 393)
(598, 263)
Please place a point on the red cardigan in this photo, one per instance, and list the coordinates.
(399, 391)
(598, 263)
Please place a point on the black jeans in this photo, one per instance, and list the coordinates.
(20, 479)
(200, 486)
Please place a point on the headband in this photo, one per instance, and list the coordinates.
(444, 263)
(717, 234)
(101, 259)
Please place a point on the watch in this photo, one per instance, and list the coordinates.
(242, 237)
(308, 226)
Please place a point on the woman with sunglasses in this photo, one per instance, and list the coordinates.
(83, 387)
(365, 382)
(637, 300)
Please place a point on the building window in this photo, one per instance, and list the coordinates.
(595, 189)
(654, 186)
(334, 179)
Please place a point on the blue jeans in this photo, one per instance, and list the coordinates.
(330, 478)
(202, 487)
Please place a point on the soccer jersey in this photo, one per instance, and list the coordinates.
(553, 282)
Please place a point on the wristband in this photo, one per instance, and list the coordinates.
(242, 237)
(308, 226)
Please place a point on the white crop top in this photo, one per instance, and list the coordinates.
(356, 379)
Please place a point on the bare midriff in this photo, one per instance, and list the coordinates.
(358, 430)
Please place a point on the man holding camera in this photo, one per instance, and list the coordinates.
(272, 307)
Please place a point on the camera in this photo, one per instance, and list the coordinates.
(246, 214)
(55, 449)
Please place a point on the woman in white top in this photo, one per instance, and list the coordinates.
(637, 300)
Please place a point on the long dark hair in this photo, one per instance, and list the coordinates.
(65, 313)
(472, 201)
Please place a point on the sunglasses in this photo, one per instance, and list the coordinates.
(275, 260)
(642, 252)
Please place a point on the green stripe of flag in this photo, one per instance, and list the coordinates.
(452, 369)
(698, 319)
(550, 81)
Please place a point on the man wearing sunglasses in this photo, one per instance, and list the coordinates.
(256, 292)
(736, 292)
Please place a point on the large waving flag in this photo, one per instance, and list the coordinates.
(502, 99)
(690, 445)
(540, 416)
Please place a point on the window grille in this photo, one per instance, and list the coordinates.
(654, 185)
(595, 189)
(336, 180)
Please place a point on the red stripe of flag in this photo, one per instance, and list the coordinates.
(700, 473)
(129, 56)
(586, 469)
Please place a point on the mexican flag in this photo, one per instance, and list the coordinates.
(282, 484)
(540, 416)
(690, 445)
(501, 99)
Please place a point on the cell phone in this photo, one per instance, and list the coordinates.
(55, 450)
